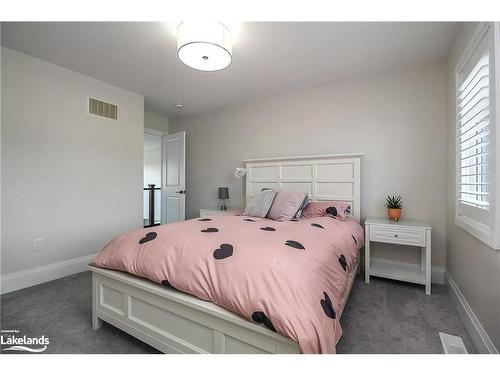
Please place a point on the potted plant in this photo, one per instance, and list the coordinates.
(394, 205)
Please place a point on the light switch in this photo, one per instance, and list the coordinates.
(37, 244)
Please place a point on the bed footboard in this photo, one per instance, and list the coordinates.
(174, 322)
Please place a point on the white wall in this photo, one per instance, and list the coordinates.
(474, 266)
(155, 121)
(396, 119)
(71, 179)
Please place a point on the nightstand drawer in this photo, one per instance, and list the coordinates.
(398, 236)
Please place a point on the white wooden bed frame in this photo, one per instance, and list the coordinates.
(175, 322)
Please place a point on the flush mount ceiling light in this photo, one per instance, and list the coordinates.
(204, 46)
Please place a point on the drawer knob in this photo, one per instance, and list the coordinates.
(395, 235)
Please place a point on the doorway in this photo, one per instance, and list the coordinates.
(152, 178)
(164, 194)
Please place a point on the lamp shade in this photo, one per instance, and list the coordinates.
(223, 193)
(204, 45)
(240, 172)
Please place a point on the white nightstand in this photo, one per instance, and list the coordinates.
(403, 232)
(212, 212)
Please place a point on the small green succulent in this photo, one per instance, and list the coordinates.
(394, 202)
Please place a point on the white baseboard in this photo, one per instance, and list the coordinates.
(474, 327)
(437, 273)
(23, 279)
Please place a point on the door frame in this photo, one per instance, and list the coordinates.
(161, 135)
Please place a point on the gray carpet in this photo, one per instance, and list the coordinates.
(394, 317)
(61, 310)
(380, 317)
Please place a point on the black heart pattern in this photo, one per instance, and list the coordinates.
(224, 251)
(260, 317)
(317, 225)
(332, 211)
(269, 229)
(148, 237)
(295, 244)
(326, 304)
(253, 221)
(210, 230)
(343, 262)
(206, 219)
(354, 238)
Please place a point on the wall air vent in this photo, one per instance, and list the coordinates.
(103, 109)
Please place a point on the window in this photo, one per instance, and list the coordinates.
(473, 115)
(476, 127)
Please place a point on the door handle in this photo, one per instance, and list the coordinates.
(181, 192)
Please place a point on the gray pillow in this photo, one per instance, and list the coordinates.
(305, 202)
(259, 204)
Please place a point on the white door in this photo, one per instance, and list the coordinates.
(174, 177)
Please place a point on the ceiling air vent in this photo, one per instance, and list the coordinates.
(103, 109)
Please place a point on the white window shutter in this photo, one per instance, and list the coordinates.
(473, 115)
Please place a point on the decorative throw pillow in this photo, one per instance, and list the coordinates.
(259, 204)
(302, 206)
(286, 205)
(335, 209)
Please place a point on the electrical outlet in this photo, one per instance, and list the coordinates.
(37, 244)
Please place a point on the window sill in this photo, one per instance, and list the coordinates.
(478, 230)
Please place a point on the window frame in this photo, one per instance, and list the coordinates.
(488, 233)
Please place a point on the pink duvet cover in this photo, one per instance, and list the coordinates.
(291, 276)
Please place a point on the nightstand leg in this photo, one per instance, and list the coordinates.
(367, 254)
(428, 263)
(422, 258)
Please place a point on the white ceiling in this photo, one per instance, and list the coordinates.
(268, 58)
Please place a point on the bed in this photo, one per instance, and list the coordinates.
(153, 310)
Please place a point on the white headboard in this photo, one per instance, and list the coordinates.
(324, 177)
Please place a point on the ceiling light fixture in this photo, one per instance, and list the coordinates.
(179, 106)
(204, 46)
